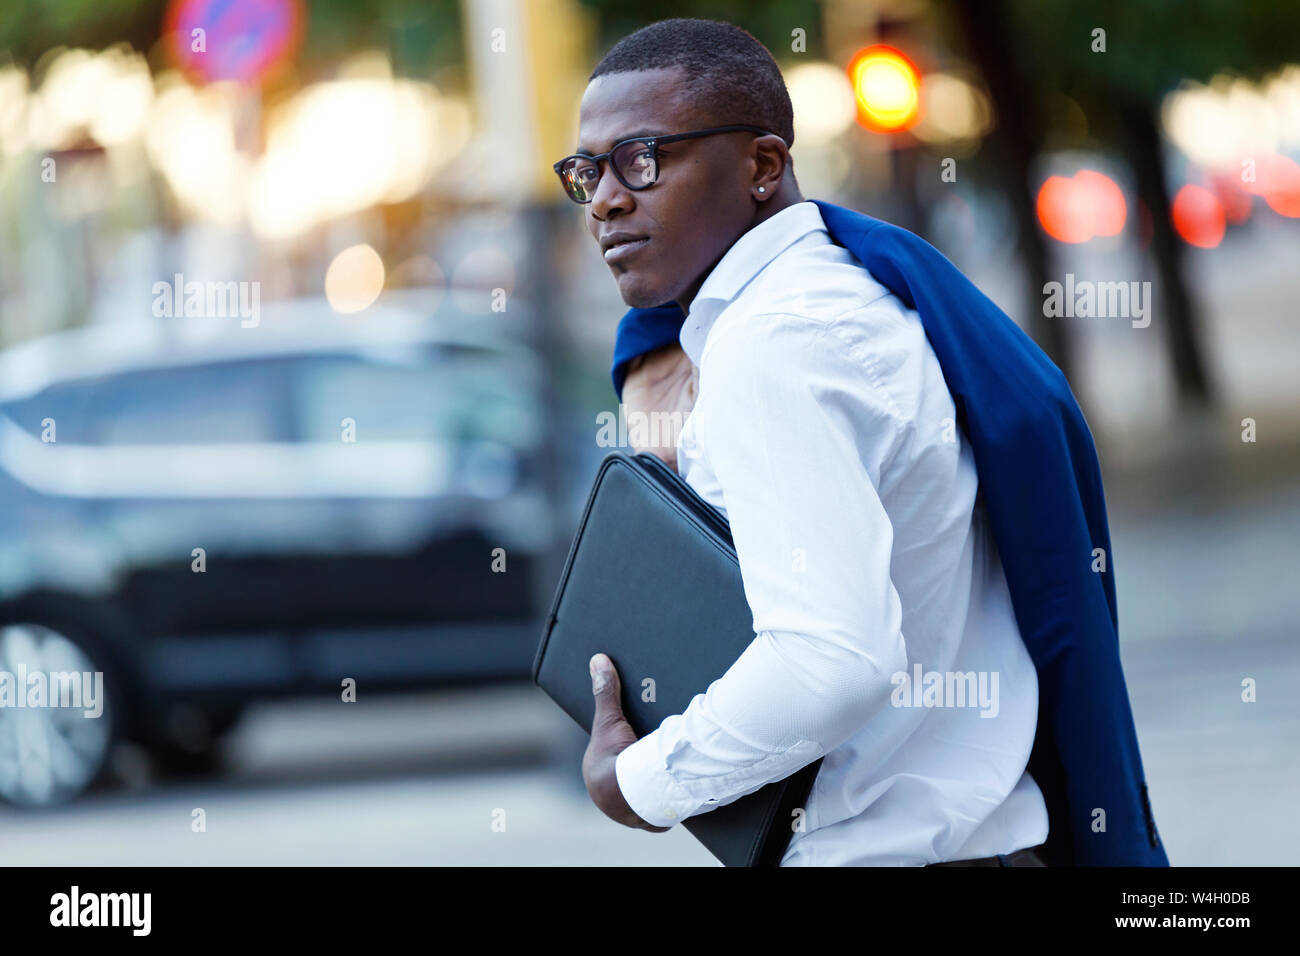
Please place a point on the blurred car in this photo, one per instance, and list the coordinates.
(210, 514)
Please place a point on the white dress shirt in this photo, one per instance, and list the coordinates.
(823, 430)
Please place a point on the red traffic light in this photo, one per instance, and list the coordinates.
(887, 87)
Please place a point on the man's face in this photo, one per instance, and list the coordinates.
(698, 207)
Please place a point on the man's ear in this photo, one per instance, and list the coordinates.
(771, 160)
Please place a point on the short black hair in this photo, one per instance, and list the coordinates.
(727, 69)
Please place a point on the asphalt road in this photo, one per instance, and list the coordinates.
(491, 777)
(486, 777)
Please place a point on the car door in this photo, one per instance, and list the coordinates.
(196, 488)
(441, 435)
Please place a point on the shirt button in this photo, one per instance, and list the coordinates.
(669, 812)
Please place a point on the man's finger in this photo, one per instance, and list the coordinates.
(606, 688)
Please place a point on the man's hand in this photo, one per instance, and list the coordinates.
(611, 734)
(662, 381)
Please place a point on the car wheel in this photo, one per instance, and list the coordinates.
(52, 744)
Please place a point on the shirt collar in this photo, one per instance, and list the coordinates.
(746, 258)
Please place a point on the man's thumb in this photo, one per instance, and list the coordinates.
(608, 718)
(601, 668)
(605, 685)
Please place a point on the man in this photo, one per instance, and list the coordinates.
(821, 425)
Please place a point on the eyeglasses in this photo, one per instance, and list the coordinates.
(635, 162)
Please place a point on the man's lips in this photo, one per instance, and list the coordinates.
(623, 250)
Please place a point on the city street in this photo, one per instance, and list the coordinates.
(491, 776)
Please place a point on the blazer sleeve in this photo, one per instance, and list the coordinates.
(641, 331)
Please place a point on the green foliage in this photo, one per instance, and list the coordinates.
(771, 21)
(28, 28)
(1151, 45)
(420, 35)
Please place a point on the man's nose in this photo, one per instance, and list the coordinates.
(611, 196)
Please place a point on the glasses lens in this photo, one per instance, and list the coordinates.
(636, 164)
(580, 177)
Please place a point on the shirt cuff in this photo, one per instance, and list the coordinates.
(649, 788)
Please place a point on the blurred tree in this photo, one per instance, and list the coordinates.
(1017, 137)
(420, 36)
(771, 21)
(1149, 48)
(31, 27)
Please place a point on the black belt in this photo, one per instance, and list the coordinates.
(1026, 857)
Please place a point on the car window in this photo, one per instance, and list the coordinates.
(415, 394)
(64, 406)
(219, 403)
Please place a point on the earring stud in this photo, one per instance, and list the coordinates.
(762, 189)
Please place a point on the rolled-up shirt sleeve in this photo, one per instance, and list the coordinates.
(797, 432)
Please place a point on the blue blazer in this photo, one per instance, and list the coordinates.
(1042, 490)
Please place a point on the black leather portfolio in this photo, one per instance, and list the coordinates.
(653, 581)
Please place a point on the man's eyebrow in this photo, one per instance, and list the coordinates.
(632, 135)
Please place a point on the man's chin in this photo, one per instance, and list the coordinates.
(637, 294)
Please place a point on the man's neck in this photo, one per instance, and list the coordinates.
(784, 199)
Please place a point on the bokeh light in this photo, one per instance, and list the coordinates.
(1079, 208)
(1109, 210)
(1063, 210)
(342, 146)
(824, 105)
(1215, 125)
(1234, 198)
(1198, 216)
(1277, 181)
(190, 139)
(952, 109)
(354, 279)
(13, 109)
(887, 87)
